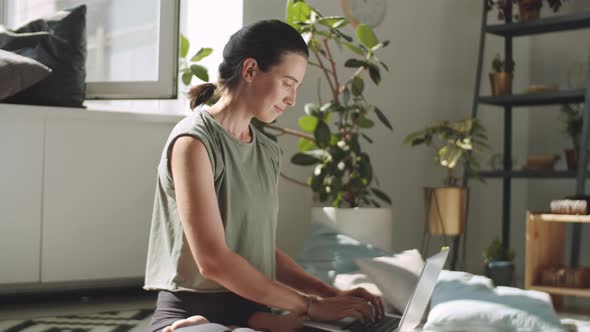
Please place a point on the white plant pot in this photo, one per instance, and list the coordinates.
(368, 225)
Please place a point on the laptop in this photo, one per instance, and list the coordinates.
(413, 312)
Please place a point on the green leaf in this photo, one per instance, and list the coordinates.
(308, 123)
(354, 48)
(333, 21)
(381, 195)
(316, 182)
(354, 63)
(202, 53)
(358, 85)
(187, 77)
(343, 22)
(377, 205)
(367, 138)
(304, 159)
(184, 46)
(374, 73)
(344, 36)
(290, 16)
(345, 96)
(380, 45)
(312, 109)
(322, 134)
(301, 11)
(383, 118)
(305, 145)
(365, 169)
(366, 35)
(327, 106)
(384, 65)
(200, 72)
(366, 123)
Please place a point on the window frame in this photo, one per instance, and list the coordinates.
(166, 87)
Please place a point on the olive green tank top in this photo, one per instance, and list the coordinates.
(246, 178)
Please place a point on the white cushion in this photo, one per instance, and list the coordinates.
(469, 302)
(396, 275)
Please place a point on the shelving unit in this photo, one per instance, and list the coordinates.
(545, 234)
(508, 31)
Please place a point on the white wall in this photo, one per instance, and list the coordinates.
(432, 57)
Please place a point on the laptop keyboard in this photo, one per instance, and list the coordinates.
(386, 324)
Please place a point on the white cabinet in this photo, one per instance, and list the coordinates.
(21, 160)
(99, 190)
(77, 190)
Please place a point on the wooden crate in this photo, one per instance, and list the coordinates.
(545, 237)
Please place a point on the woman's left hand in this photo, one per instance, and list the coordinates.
(364, 294)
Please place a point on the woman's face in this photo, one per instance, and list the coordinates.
(274, 91)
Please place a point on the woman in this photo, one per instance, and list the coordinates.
(212, 253)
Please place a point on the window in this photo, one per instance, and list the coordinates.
(132, 44)
(128, 59)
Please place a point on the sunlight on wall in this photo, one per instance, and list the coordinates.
(210, 24)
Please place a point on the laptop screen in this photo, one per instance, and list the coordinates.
(423, 291)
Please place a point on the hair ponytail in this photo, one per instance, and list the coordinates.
(201, 93)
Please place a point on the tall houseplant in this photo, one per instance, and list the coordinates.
(454, 144)
(331, 130)
(342, 172)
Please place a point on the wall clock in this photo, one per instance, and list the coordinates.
(369, 12)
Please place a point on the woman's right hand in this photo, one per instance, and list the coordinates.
(338, 307)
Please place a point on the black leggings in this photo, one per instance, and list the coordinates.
(221, 308)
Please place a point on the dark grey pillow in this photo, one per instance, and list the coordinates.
(59, 42)
(18, 73)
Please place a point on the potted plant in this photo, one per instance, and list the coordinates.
(527, 9)
(501, 77)
(331, 131)
(572, 116)
(499, 263)
(454, 144)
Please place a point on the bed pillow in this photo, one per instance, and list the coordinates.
(326, 253)
(395, 275)
(468, 302)
(18, 73)
(58, 42)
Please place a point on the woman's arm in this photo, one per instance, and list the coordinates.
(201, 221)
(292, 275)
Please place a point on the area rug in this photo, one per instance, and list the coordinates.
(108, 321)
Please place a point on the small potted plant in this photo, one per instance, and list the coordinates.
(528, 10)
(572, 115)
(499, 263)
(501, 77)
(453, 143)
